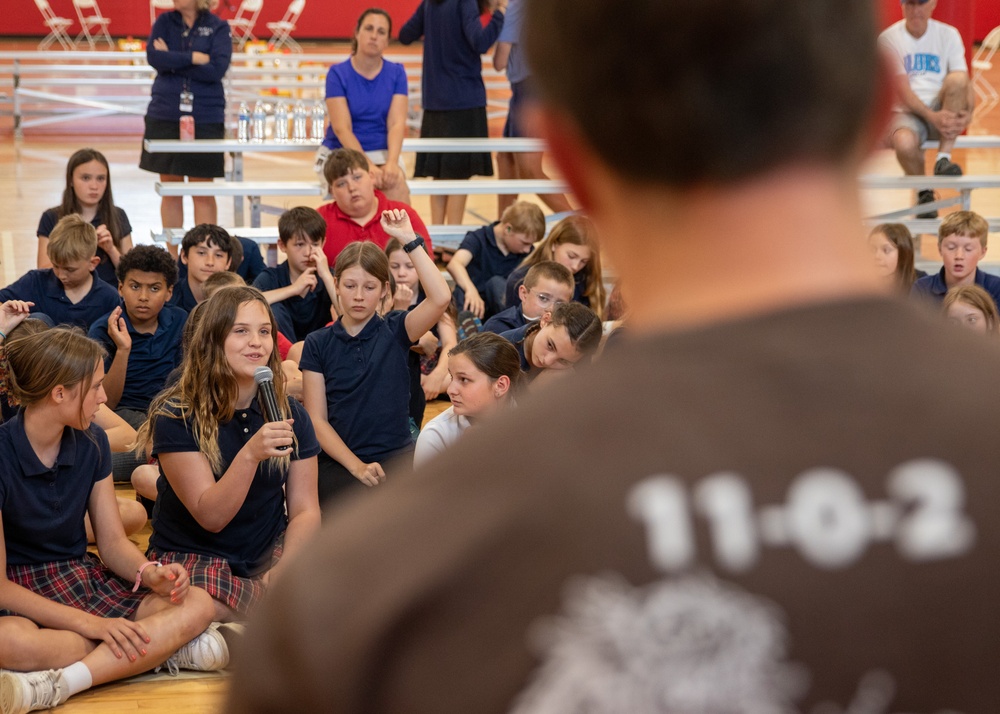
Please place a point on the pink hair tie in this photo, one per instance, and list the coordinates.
(138, 573)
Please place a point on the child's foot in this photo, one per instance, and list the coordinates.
(947, 167)
(926, 196)
(207, 652)
(30, 691)
(468, 324)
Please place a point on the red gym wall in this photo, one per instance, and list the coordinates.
(326, 19)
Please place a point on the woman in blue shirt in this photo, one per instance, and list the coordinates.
(366, 101)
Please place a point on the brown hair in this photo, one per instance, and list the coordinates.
(71, 240)
(492, 355)
(525, 217)
(900, 236)
(206, 392)
(302, 221)
(340, 162)
(578, 230)
(223, 279)
(105, 207)
(548, 269)
(977, 297)
(369, 256)
(357, 28)
(820, 59)
(966, 223)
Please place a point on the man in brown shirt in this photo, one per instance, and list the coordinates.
(777, 493)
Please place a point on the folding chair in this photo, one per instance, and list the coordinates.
(156, 5)
(242, 25)
(57, 27)
(982, 62)
(89, 22)
(281, 31)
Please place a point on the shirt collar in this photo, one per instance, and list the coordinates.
(30, 464)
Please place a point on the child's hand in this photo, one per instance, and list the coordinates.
(123, 636)
(170, 580)
(269, 437)
(396, 223)
(474, 303)
(369, 474)
(305, 283)
(403, 296)
(322, 264)
(434, 384)
(104, 240)
(13, 313)
(118, 331)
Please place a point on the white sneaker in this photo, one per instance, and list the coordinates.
(205, 653)
(30, 691)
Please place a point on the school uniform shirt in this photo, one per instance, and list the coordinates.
(43, 507)
(367, 383)
(43, 288)
(516, 277)
(341, 228)
(368, 101)
(249, 268)
(106, 269)
(297, 316)
(438, 434)
(247, 540)
(182, 296)
(152, 358)
(510, 319)
(933, 286)
(488, 260)
(516, 338)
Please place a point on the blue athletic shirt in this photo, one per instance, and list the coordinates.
(368, 100)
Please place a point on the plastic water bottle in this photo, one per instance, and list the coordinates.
(317, 130)
(243, 124)
(259, 123)
(299, 122)
(281, 121)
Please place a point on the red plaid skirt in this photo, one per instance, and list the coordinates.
(84, 583)
(214, 575)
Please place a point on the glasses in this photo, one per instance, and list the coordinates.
(544, 299)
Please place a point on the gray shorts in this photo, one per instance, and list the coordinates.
(923, 130)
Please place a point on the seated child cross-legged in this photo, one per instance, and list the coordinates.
(546, 284)
(962, 244)
(68, 292)
(74, 619)
(354, 372)
(485, 370)
(299, 290)
(232, 497)
(561, 338)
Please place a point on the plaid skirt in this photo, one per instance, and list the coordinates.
(84, 583)
(216, 577)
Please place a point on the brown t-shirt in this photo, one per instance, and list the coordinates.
(795, 512)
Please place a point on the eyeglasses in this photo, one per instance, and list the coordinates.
(544, 299)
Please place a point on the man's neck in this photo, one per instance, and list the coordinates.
(791, 237)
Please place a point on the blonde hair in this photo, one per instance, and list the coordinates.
(525, 217)
(578, 230)
(71, 240)
(223, 279)
(977, 297)
(966, 223)
(207, 390)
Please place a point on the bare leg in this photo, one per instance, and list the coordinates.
(455, 211)
(133, 516)
(205, 208)
(506, 169)
(907, 147)
(955, 98)
(144, 480)
(171, 210)
(438, 206)
(529, 166)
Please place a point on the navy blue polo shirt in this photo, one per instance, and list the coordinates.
(487, 259)
(509, 319)
(43, 507)
(516, 277)
(516, 338)
(367, 383)
(249, 268)
(247, 540)
(302, 315)
(106, 270)
(934, 285)
(182, 296)
(43, 288)
(152, 358)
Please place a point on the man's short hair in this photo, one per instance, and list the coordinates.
(966, 223)
(548, 269)
(341, 162)
(525, 217)
(211, 235)
(708, 91)
(148, 259)
(302, 221)
(71, 240)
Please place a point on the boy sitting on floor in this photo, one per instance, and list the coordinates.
(206, 249)
(962, 244)
(545, 285)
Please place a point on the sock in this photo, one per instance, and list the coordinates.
(944, 155)
(76, 678)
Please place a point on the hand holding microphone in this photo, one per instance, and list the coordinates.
(267, 398)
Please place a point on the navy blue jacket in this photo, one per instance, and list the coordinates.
(210, 35)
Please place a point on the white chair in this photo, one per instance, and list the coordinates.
(982, 62)
(281, 31)
(57, 27)
(156, 6)
(242, 25)
(93, 26)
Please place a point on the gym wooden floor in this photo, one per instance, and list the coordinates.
(32, 179)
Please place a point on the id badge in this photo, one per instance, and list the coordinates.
(187, 102)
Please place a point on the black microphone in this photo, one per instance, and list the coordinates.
(266, 396)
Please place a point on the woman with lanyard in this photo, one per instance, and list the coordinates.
(190, 49)
(366, 101)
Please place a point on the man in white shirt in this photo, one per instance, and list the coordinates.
(934, 94)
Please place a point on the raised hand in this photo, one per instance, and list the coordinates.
(396, 223)
(118, 330)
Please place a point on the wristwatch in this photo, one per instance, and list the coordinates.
(414, 244)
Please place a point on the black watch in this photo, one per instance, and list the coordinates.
(414, 244)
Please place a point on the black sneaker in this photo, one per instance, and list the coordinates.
(947, 167)
(926, 196)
